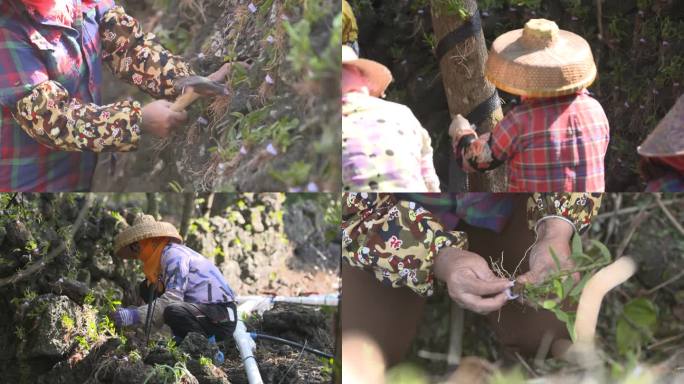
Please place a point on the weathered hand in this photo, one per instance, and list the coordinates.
(470, 281)
(552, 234)
(124, 317)
(158, 118)
(458, 128)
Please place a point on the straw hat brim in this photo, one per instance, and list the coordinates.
(143, 231)
(564, 68)
(667, 139)
(379, 76)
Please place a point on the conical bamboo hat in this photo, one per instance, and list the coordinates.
(144, 227)
(540, 61)
(667, 139)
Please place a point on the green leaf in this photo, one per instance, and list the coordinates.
(636, 325)
(558, 288)
(577, 244)
(568, 285)
(549, 304)
(603, 250)
(555, 259)
(577, 290)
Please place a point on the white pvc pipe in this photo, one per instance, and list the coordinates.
(261, 304)
(246, 346)
(330, 299)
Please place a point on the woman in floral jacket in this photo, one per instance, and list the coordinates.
(409, 241)
(52, 122)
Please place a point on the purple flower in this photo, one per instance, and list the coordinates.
(270, 39)
(295, 189)
(312, 187)
(202, 121)
(269, 79)
(252, 7)
(271, 149)
(243, 150)
(642, 40)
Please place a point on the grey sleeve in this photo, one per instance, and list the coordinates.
(168, 298)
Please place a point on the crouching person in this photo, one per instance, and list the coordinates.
(190, 293)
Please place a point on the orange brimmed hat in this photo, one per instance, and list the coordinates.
(379, 77)
(540, 60)
(667, 139)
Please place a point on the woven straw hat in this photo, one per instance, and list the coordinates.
(540, 61)
(379, 77)
(144, 227)
(667, 139)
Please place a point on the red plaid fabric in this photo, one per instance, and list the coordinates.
(553, 144)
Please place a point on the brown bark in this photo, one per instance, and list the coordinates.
(465, 86)
(188, 209)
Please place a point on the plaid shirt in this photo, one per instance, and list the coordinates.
(550, 145)
(672, 182)
(34, 50)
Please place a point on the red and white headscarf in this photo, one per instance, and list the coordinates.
(61, 11)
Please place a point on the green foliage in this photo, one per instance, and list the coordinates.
(167, 374)
(205, 361)
(559, 290)
(407, 373)
(296, 174)
(134, 356)
(636, 325)
(451, 7)
(67, 322)
(514, 376)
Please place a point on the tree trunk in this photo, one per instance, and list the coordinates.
(462, 70)
(188, 208)
(152, 205)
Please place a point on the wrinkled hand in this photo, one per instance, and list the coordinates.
(553, 234)
(470, 281)
(158, 118)
(458, 128)
(123, 317)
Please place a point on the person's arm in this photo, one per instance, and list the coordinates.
(137, 57)
(398, 244)
(575, 208)
(485, 152)
(176, 271)
(427, 166)
(555, 217)
(47, 113)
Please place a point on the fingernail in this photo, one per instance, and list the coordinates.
(510, 294)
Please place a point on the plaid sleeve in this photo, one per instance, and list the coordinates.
(504, 137)
(577, 209)
(137, 58)
(20, 68)
(51, 117)
(427, 166)
(396, 240)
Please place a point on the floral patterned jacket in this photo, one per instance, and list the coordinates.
(52, 120)
(397, 240)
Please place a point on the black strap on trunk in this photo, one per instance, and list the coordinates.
(469, 29)
(484, 109)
